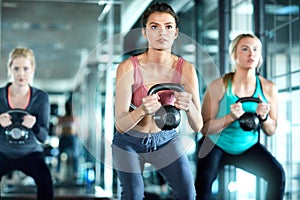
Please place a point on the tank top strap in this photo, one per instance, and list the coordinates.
(229, 88)
(138, 81)
(178, 71)
(259, 90)
(258, 84)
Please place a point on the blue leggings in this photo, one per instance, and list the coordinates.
(164, 151)
(257, 160)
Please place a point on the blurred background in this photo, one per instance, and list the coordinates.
(78, 45)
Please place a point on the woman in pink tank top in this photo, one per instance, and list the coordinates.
(138, 140)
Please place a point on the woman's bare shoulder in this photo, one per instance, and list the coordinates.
(269, 87)
(125, 64)
(217, 84)
(187, 65)
(216, 89)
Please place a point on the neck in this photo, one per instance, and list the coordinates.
(244, 77)
(159, 56)
(16, 90)
(244, 84)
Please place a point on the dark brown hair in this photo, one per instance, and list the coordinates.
(158, 7)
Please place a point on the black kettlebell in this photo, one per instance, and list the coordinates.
(16, 132)
(249, 121)
(167, 117)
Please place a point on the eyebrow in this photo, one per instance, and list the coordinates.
(167, 23)
(245, 45)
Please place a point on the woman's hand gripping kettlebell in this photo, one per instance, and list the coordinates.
(150, 104)
(236, 110)
(263, 110)
(183, 100)
(168, 117)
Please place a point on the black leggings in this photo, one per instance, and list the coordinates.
(32, 165)
(257, 160)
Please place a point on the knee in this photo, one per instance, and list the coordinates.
(43, 181)
(281, 177)
(277, 178)
(186, 191)
(188, 195)
(132, 185)
(130, 192)
(204, 178)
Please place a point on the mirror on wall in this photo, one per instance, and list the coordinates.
(61, 34)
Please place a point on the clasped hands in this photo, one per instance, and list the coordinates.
(151, 103)
(262, 110)
(28, 120)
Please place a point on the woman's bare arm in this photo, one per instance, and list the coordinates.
(210, 107)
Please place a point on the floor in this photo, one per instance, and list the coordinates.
(61, 193)
(22, 187)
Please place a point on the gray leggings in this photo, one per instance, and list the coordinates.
(164, 151)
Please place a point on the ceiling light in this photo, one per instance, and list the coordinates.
(104, 12)
(103, 2)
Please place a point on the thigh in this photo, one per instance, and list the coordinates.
(210, 159)
(167, 154)
(6, 165)
(259, 161)
(129, 166)
(127, 155)
(126, 160)
(34, 165)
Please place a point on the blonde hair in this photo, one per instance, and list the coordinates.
(233, 46)
(21, 52)
(232, 53)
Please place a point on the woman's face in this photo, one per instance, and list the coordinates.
(161, 31)
(248, 53)
(21, 71)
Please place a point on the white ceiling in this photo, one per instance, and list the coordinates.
(60, 33)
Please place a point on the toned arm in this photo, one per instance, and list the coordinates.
(125, 120)
(190, 82)
(270, 91)
(210, 107)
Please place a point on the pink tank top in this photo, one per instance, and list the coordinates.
(140, 91)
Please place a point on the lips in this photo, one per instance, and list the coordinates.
(162, 40)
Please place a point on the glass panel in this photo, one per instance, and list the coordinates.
(209, 36)
(244, 179)
(282, 83)
(295, 51)
(242, 12)
(295, 144)
(280, 63)
(295, 177)
(282, 127)
(283, 46)
(296, 82)
(296, 107)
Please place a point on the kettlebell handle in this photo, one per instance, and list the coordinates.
(18, 111)
(247, 99)
(165, 86)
